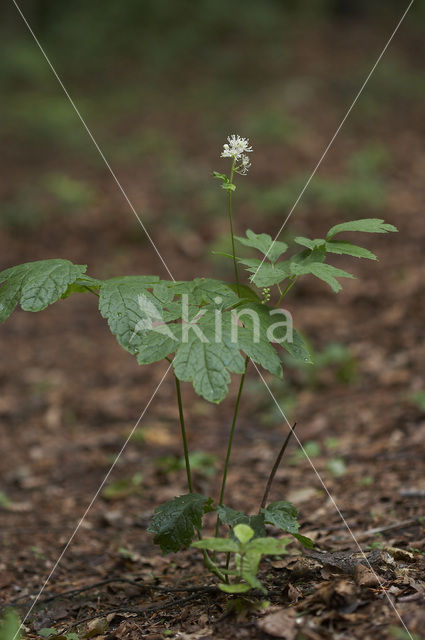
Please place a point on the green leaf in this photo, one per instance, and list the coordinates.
(341, 248)
(348, 249)
(130, 308)
(84, 284)
(47, 632)
(268, 546)
(158, 343)
(10, 625)
(328, 274)
(234, 588)
(231, 517)
(243, 532)
(282, 514)
(260, 352)
(369, 225)
(267, 274)
(35, 285)
(174, 522)
(216, 544)
(264, 243)
(306, 542)
(207, 364)
(300, 263)
(298, 348)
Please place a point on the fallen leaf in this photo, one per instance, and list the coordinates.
(279, 624)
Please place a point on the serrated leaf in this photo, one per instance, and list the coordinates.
(158, 343)
(281, 514)
(298, 348)
(84, 284)
(300, 263)
(267, 274)
(129, 308)
(175, 522)
(367, 225)
(260, 352)
(216, 544)
(348, 249)
(231, 517)
(209, 364)
(35, 285)
(340, 248)
(328, 274)
(264, 243)
(304, 540)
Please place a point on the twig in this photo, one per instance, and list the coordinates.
(101, 583)
(390, 527)
(154, 607)
(275, 467)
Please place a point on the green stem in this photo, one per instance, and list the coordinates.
(289, 286)
(232, 171)
(230, 443)
(183, 432)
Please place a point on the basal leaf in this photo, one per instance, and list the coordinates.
(264, 243)
(83, 284)
(368, 225)
(281, 514)
(175, 522)
(35, 285)
(231, 517)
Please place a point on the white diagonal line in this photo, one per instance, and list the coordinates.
(322, 157)
(102, 155)
(55, 566)
(332, 500)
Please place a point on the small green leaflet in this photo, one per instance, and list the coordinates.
(264, 243)
(216, 544)
(35, 285)
(283, 514)
(10, 625)
(267, 274)
(175, 522)
(368, 225)
(341, 248)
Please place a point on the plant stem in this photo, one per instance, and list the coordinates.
(289, 286)
(183, 432)
(232, 171)
(229, 446)
(275, 468)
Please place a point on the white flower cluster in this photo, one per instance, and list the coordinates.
(237, 148)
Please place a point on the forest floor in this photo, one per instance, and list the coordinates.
(70, 397)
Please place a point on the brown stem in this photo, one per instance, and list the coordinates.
(275, 467)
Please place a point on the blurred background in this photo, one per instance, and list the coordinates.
(161, 84)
